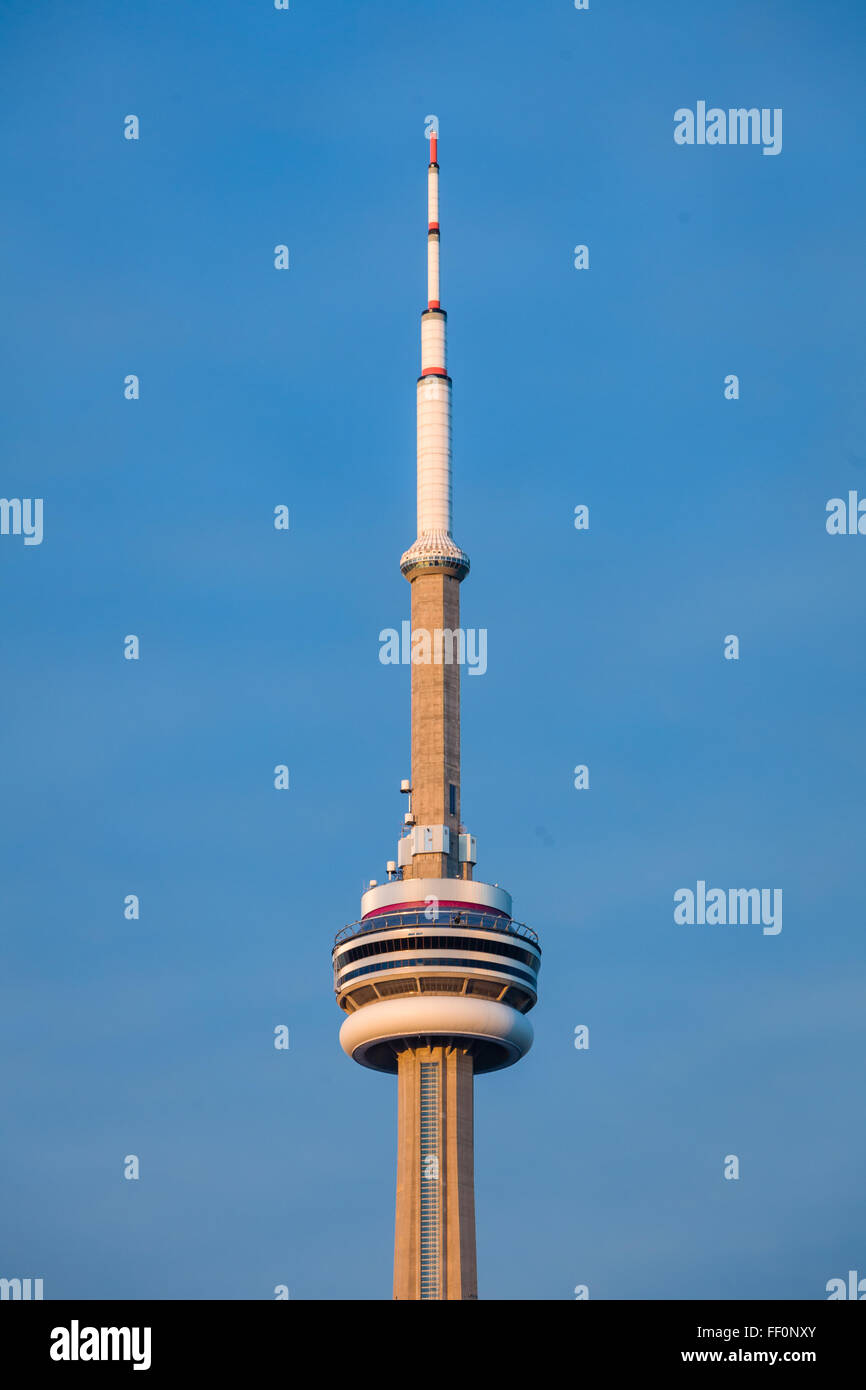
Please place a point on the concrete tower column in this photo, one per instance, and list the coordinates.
(434, 1242)
(436, 721)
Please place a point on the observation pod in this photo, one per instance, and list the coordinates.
(443, 963)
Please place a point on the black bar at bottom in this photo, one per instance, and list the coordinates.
(219, 1339)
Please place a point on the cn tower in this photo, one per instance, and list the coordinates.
(436, 978)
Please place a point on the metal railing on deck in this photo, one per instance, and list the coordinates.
(482, 921)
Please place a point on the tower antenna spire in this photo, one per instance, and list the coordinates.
(433, 225)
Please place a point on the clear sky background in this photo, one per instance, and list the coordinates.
(259, 387)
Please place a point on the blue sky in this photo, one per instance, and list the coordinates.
(261, 387)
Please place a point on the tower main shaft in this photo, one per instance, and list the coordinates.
(434, 1230)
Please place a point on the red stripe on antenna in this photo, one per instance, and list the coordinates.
(434, 140)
